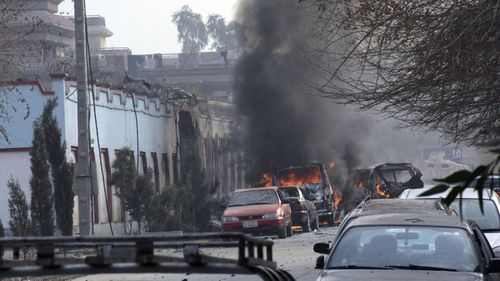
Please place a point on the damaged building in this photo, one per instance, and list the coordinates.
(155, 128)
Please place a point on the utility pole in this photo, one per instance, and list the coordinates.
(83, 165)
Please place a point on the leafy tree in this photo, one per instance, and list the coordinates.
(223, 35)
(19, 222)
(42, 199)
(430, 64)
(160, 212)
(135, 190)
(61, 170)
(192, 32)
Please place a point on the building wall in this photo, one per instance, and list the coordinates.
(116, 116)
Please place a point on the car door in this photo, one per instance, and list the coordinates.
(309, 202)
(486, 251)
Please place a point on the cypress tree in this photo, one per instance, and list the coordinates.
(61, 170)
(19, 222)
(2, 230)
(42, 214)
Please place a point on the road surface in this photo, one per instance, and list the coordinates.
(294, 254)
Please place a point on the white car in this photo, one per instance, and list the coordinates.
(489, 222)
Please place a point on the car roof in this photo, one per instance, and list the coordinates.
(410, 220)
(384, 206)
(468, 193)
(256, 188)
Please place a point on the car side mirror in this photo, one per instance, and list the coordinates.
(496, 251)
(285, 201)
(320, 262)
(494, 265)
(322, 248)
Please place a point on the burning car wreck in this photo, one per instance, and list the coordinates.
(383, 181)
(313, 177)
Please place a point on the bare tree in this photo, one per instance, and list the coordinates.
(16, 25)
(191, 29)
(432, 64)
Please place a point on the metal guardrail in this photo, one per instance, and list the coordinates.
(255, 255)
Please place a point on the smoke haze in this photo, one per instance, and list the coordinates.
(283, 122)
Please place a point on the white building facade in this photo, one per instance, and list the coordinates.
(154, 140)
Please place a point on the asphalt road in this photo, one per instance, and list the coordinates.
(294, 254)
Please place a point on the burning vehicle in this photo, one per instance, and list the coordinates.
(314, 178)
(382, 181)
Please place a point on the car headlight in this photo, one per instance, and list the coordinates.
(271, 216)
(229, 219)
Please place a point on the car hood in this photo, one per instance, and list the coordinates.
(251, 210)
(397, 275)
(493, 237)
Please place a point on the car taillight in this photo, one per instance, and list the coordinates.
(296, 207)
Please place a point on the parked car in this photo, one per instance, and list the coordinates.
(304, 212)
(314, 177)
(369, 207)
(408, 246)
(489, 221)
(261, 210)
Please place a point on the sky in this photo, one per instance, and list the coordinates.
(145, 26)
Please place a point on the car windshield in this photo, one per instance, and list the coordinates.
(470, 210)
(290, 192)
(262, 196)
(441, 248)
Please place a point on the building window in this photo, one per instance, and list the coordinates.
(109, 188)
(74, 151)
(144, 162)
(94, 196)
(175, 165)
(166, 168)
(156, 171)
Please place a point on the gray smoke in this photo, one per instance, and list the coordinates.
(283, 123)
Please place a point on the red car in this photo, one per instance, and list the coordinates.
(258, 211)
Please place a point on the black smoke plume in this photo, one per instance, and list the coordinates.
(283, 122)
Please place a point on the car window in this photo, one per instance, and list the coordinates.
(262, 196)
(470, 210)
(291, 192)
(386, 246)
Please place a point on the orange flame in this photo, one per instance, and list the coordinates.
(337, 195)
(266, 180)
(378, 189)
(297, 177)
(360, 185)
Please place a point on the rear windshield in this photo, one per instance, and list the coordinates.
(253, 197)
(290, 192)
(424, 247)
(470, 210)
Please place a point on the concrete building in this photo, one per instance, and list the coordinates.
(47, 36)
(158, 134)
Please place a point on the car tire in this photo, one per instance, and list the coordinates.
(315, 225)
(306, 227)
(289, 230)
(282, 232)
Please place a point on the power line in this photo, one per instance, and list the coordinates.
(96, 123)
